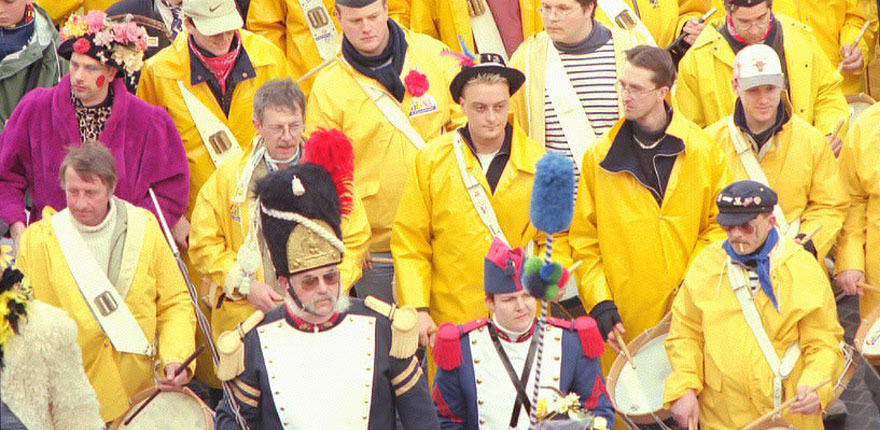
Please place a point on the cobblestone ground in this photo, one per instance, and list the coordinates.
(863, 414)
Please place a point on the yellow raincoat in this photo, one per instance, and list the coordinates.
(439, 241)
(704, 93)
(60, 10)
(158, 300)
(446, 20)
(834, 23)
(634, 251)
(859, 245)
(158, 86)
(383, 154)
(664, 19)
(801, 168)
(714, 352)
(220, 225)
(527, 105)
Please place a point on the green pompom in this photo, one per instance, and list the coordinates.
(552, 293)
(533, 265)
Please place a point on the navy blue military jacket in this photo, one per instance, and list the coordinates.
(398, 385)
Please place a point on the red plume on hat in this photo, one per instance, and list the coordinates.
(332, 150)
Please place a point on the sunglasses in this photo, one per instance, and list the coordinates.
(310, 282)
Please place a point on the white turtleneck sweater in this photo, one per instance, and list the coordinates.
(98, 238)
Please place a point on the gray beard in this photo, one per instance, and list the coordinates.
(341, 305)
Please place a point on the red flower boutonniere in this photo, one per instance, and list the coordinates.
(82, 46)
(416, 83)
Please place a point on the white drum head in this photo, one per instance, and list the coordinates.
(640, 391)
(871, 344)
(178, 410)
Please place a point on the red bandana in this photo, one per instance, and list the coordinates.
(221, 65)
(736, 36)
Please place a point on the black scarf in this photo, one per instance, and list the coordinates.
(385, 67)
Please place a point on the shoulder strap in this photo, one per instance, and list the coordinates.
(136, 229)
(620, 14)
(487, 38)
(321, 27)
(756, 173)
(107, 306)
(392, 113)
(576, 126)
(477, 193)
(216, 136)
(780, 368)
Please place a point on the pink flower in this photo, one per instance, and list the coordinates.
(416, 83)
(95, 20)
(82, 46)
(127, 32)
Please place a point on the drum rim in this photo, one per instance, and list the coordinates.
(142, 395)
(617, 366)
(862, 332)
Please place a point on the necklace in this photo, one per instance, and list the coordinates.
(652, 145)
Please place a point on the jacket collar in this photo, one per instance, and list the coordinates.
(620, 157)
(44, 34)
(63, 108)
(303, 325)
(173, 62)
(241, 70)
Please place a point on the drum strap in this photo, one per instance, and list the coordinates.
(781, 368)
(477, 193)
(393, 114)
(320, 26)
(619, 13)
(216, 136)
(756, 173)
(519, 383)
(487, 38)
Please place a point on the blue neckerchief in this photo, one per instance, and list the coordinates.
(761, 262)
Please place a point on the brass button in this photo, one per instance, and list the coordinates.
(480, 402)
(479, 380)
(476, 361)
(482, 421)
(556, 358)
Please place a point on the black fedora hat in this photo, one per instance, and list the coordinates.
(489, 63)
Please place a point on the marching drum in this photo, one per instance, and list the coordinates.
(177, 409)
(867, 339)
(857, 104)
(638, 394)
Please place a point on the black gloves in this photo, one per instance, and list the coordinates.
(606, 316)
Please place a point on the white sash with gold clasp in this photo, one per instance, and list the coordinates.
(487, 38)
(321, 26)
(576, 126)
(477, 193)
(620, 14)
(102, 298)
(216, 136)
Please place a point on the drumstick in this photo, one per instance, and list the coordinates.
(836, 130)
(382, 260)
(809, 236)
(176, 373)
(868, 287)
(783, 406)
(691, 424)
(624, 349)
(316, 69)
(858, 39)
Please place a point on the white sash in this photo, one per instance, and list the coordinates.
(308, 399)
(321, 26)
(391, 109)
(576, 126)
(107, 306)
(620, 14)
(216, 136)
(477, 193)
(756, 173)
(781, 368)
(487, 38)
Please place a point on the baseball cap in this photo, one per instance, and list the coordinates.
(213, 16)
(755, 65)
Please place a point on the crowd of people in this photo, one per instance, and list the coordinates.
(336, 198)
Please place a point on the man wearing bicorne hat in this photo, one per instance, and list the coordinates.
(225, 233)
(484, 365)
(466, 188)
(91, 103)
(106, 262)
(754, 324)
(704, 95)
(387, 91)
(320, 360)
(764, 142)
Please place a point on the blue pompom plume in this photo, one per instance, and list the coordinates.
(552, 202)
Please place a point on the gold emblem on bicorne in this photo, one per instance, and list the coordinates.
(307, 250)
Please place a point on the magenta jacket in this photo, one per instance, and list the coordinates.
(141, 137)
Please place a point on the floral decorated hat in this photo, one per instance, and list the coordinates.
(116, 44)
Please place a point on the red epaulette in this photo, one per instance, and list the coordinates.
(447, 346)
(587, 331)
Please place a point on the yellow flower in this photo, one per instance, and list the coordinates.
(541, 409)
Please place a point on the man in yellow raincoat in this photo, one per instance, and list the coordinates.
(754, 324)
(492, 26)
(644, 204)
(835, 24)
(439, 235)
(765, 143)
(664, 19)
(222, 217)
(704, 94)
(307, 37)
(387, 90)
(114, 253)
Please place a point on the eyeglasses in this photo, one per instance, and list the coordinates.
(294, 128)
(634, 91)
(555, 13)
(310, 282)
(761, 23)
